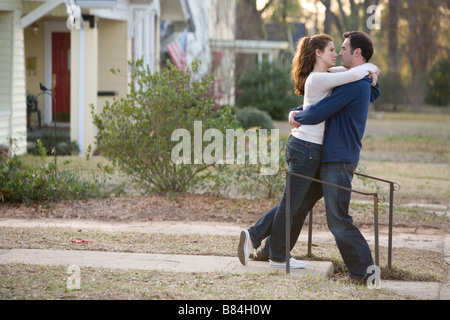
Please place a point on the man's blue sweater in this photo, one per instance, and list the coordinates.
(345, 112)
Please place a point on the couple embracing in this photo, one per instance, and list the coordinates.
(325, 144)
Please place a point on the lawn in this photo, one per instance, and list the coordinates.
(412, 150)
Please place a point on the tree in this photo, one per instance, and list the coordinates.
(393, 52)
(343, 21)
(423, 19)
(249, 20)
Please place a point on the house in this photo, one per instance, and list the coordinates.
(70, 47)
(46, 42)
(12, 75)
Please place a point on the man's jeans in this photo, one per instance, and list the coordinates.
(302, 158)
(353, 247)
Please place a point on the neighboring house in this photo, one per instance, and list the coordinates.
(39, 45)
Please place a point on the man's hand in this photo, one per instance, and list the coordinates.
(292, 121)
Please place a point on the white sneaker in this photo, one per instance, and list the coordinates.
(294, 264)
(245, 247)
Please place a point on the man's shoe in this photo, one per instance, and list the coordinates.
(245, 247)
(259, 256)
(294, 264)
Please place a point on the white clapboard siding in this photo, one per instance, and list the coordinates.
(19, 103)
(12, 81)
(6, 40)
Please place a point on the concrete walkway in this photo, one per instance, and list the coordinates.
(195, 263)
(143, 261)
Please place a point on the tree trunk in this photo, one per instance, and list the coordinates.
(393, 54)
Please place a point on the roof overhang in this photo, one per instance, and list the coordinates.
(36, 9)
(177, 11)
(39, 12)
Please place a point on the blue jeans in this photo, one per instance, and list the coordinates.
(351, 244)
(303, 158)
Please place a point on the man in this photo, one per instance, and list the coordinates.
(345, 112)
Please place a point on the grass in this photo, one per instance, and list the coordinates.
(407, 137)
(412, 150)
(51, 284)
(419, 182)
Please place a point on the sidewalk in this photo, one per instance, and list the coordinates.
(195, 263)
(162, 262)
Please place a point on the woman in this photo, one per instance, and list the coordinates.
(314, 79)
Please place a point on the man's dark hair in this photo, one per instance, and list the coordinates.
(359, 39)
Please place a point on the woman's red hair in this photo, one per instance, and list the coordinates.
(305, 58)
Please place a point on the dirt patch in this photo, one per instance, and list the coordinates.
(204, 208)
(184, 207)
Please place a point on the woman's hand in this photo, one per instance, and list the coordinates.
(292, 121)
(374, 77)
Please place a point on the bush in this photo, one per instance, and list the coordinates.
(269, 88)
(25, 184)
(251, 117)
(246, 179)
(135, 132)
(63, 144)
(268, 186)
(438, 91)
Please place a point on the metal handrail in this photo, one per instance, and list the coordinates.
(375, 197)
(393, 186)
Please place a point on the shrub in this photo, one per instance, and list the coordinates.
(26, 184)
(251, 117)
(246, 179)
(268, 186)
(269, 88)
(438, 90)
(135, 132)
(63, 144)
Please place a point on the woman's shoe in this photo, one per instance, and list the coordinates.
(294, 264)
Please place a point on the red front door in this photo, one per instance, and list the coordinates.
(61, 75)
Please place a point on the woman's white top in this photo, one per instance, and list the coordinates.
(319, 85)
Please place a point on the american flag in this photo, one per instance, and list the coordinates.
(177, 50)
